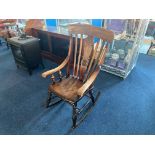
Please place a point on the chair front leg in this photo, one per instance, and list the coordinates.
(74, 115)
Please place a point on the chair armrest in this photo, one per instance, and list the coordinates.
(50, 72)
(88, 83)
(63, 64)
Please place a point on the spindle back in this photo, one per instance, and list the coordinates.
(84, 55)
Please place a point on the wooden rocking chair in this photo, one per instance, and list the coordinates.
(82, 67)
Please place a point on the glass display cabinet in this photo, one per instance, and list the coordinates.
(124, 50)
(66, 22)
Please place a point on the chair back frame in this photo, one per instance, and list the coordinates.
(87, 58)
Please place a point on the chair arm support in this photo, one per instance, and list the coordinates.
(50, 72)
(88, 83)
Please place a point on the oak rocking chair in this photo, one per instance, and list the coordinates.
(82, 67)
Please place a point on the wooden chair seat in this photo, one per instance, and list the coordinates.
(67, 88)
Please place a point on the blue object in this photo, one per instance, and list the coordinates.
(98, 23)
(51, 22)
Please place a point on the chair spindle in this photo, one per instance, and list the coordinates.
(53, 78)
(75, 55)
(79, 57)
(91, 61)
(105, 49)
(60, 75)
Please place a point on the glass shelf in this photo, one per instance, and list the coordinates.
(124, 50)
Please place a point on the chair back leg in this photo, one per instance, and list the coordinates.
(74, 115)
(48, 99)
(91, 96)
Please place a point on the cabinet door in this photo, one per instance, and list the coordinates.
(60, 46)
(32, 54)
(44, 45)
(17, 52)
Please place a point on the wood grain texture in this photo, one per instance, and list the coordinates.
(57, 69)
(92, 31)
(79, 57)
(86, 56)
(88, 83)
(67, 88)
(69, 55)
(86, 61)
(91, 61)
(75, 54)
